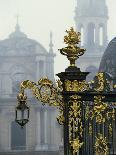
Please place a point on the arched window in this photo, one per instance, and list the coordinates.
(101, 36)
(91, 34)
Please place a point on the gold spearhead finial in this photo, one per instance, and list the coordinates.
(72, 51)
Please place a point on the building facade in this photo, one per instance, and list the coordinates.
(91, 20)
(22, 58)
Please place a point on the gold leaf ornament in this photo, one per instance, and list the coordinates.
(72, 51)
(76, 145)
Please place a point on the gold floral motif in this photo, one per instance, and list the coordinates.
(75, 109)
(72, 37)
(100, 85)
(75, 123)
(76, 144)
(101, 146)
(72, 51)
(99, 108)
(76, 85)
(100, 119)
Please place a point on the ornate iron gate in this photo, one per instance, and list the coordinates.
(87, 110)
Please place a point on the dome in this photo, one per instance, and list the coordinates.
(108, 62)
(19, 44)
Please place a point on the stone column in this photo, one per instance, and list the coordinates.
(38, 147)
(45, 125)
(45, 146)
(97, 35)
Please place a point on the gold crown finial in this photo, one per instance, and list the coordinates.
(72, 51)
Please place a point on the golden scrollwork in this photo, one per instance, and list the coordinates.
(101, 145)
(99, 108)
(100, 119)
(75, 123)
(43, 90)
(76, 85)
(60, 118)
(72, 51)
(100, 82)
(59, 86)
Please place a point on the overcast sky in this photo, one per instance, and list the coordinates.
(39, 17)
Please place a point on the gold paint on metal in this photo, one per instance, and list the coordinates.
(76, 145)
(76, 85)
(99, 109)
(100, 82)
(75, 123)
(101, 145)
(72, 51)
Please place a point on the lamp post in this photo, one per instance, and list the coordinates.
(22, 110)
(84, 107)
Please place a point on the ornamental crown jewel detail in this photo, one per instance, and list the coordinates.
(72, 51)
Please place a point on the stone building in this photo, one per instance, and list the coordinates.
(91, 20)
(108, 61)
(22, 58)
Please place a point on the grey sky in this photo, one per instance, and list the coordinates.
(39, 17)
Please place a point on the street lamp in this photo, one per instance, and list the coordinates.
(87, 111)
(22, 110)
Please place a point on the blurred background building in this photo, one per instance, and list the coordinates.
(91, 18)
(22, 58)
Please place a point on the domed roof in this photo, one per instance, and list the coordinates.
(19, 44)
(108, 62)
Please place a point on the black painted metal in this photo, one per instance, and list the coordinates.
(74, 73)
